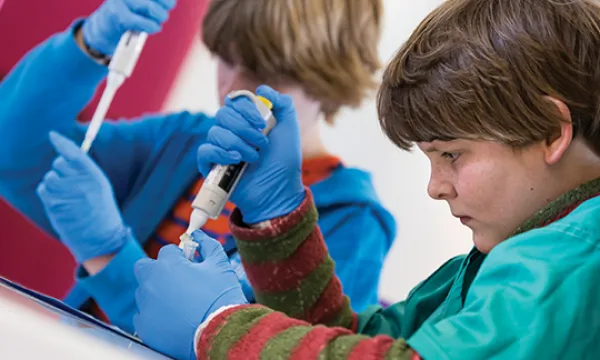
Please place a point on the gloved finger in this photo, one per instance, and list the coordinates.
(139, 23)
(49, 200)
(139, 324)
(79, 163)
(209, 248)
(143, 269)
(247, 110)
(281, 102)
(65, 147)
(228, 141)
(171, 253)
(150, 10)
(52, 182)
(141, 299)
(227, 117)
(64, 168)
(42, 192)
(208, 155)
(136, 320)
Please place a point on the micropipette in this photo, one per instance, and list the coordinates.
(120, 67)
(221, 181)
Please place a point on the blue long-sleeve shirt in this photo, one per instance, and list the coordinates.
(150, 162)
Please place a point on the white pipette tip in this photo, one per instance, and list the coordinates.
(86, 145)
(197, 220)
(187, 243)
(121, 66)
(113, 83)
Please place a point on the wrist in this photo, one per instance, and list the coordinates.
(232, 296)
(117, 240)
(278, 207)
(104, 246)
(208, 319)
(95, 265)
(246, 233)
(115, 244)
(94, 54)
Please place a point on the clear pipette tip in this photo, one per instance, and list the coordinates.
(188, 245)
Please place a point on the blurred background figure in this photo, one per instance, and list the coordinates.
(146, 91)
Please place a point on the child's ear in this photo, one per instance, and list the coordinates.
(557, 145)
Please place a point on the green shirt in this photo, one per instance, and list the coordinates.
(536, 295)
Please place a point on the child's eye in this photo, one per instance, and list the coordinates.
(453, 156)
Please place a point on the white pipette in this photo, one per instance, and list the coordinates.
(120, 67)
(221, 181)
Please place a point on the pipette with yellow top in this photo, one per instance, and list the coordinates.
(221, 181)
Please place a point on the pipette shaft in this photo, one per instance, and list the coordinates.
(113, 82)
(121, 66)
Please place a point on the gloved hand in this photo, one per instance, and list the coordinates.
(176, 295)
(102, 30)
(236, 263)
(80, 203)
(272, 184)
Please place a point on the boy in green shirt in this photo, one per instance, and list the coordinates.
(503, 97)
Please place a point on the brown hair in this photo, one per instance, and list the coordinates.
(328, 47)
(482, 69)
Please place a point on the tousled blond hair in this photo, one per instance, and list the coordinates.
(328, 47)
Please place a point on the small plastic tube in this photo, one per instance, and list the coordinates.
(188, 245)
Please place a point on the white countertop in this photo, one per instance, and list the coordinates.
(30, 329)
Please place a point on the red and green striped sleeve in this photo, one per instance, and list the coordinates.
(291, 271)
(303, 313)
(255, 332)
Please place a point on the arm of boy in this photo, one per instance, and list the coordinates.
(293, 278)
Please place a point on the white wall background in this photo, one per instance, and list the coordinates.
(427, 234)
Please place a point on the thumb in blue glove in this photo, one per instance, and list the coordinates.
(175, 295)
(272, 184)
(103, 29)
(80, 204)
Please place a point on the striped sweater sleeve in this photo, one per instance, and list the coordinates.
(255, 332)
(291, 271)
(302, 312)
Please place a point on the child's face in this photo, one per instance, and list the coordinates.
(491, 188)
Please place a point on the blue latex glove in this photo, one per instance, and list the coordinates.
(102, 30)
(176, 295)
(238, 267)
(80, 203)
(272, 184)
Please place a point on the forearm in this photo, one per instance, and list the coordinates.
(255, 331)
(95, 265)
(44, 92)
(290, 269)
(113, 284)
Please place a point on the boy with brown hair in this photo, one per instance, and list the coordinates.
(133, 194)
(503, 97)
